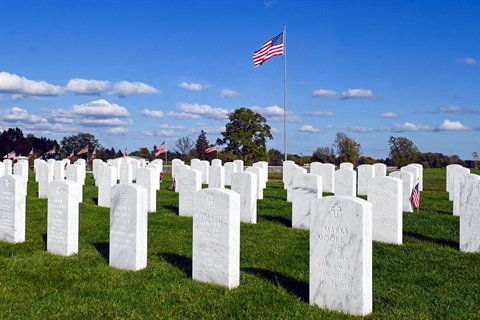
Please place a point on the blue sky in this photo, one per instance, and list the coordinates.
(136, 73)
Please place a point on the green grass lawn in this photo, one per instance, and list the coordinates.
(425, 278)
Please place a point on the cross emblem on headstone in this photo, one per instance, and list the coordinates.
(124, 193)
(58, 189)
(7, 182)
(382, 184)
(335, 209)
(211, 200)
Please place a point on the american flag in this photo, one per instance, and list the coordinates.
(211, 149)
(415, 197)
(71, 154)
(10, 155)
(125, 153)
(161, 149)
(52, 151)
(84, 150)
(271, 48)
(31, 152)
(94, 154)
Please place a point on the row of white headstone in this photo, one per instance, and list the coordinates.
(463, 190)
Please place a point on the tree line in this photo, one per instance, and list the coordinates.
(245, 138)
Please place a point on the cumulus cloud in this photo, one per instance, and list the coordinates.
(193, 86)
(15, 114)
(410, 127)
(104, 122)
(159, 133)
(100, 108)
(230, 94)
(390, 115)
(87, 87)
(167, 126)
(310, 129)
(203, 110)
(325, 93)
(320, 114)
(448, 125)
(183, 115)
(207, 129)
(450, 109)
(357, 94)
(469, 60)
(125, 88)
(275, 114)
(14, 84)
(359, 129)
(152, 113)
(117, 131)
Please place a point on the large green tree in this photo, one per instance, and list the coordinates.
(402, 151)
(78, 141)
(348, 150)
(246, 135)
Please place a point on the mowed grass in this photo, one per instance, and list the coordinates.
(425, 278)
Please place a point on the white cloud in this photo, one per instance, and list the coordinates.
(17, 114)
(183, 115)
(167, 126)
(410, 127)
(207, 129)
(104, 122)
(320, 114)
(358, 129)
(11, 83)
(357, 94)
(469, 61)
(100, 108)
(275, 114)
(203, 110)
(159, 133)
(125, 88)
(448, 125)
(390, 115)
(117, 131)
(451, 109)
(310, 129)
(152, 113)
(227, 93)
(324, 93)
(193, 86)
(87, 87)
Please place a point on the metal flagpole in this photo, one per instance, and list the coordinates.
(285, 88)
(165, 152)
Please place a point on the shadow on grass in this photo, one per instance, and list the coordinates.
(104, 249)
(182, 263)
(422, 237)
(173, 209)
(95, 200)
(280, 220)
(296, 287)
(44, 237)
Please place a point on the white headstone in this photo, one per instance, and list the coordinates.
(204, 167)
(146, 178)
(63, 211)
(43, 175)
(245, 184)
(346, 165)
(216, 237)
(107, 179)
(2, 169)
(135, 166)
(258, 172)
(420, 170)
(21, 168)
(126, 172)
(12, 208)
(413, 170)
(128, 227)
(454, 172)
(216, 162)
(380, 169)
(449, 174)
(327, 172)
(263, 166)
(385, 195)
(365, 172)
(407, 187)
(229, 170)
(7, 166)
(74, 173)
(175, 164)
(341, 254)
(345, 183)
(292, 173)
(238, 165)
(306, 188)
(470, 216)
(287, 168)
(216, 177)
(189, 181)
(458, 185)
(58, 170)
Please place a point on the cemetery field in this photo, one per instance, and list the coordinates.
(426, 277)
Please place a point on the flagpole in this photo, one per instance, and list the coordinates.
(285, 88)
(165, 152)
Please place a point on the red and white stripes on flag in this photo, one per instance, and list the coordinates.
(84, 150)
(94, 154)
(161, 149)
(10, 155)
(271, 48)
(71, 154)
(52, 151)
(415, 197)
(125, 153)
(211, 149)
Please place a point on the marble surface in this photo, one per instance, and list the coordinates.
(126, 172)
(346, 165)
(470, 216)
(229, 170)
(258, 172)
(245, 184)
(175, 164)
(327, 172)
(216, 176)
(454, 172)
(146, 178)
(12, 208)
(238, 165)
(385, 194)
(106, 180)
(450, 168)
(407, 187)
(74, 173)
(306, 188)
(58, 170)
(380, 169)
(216, 237)
(43, 177)
(63, 217)
(345, 183)
(458, 186)
(296, 170)
(189, 181)
(364, 173)
(128, 227)
(420, 171)
(204, 167)
(341, 254)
